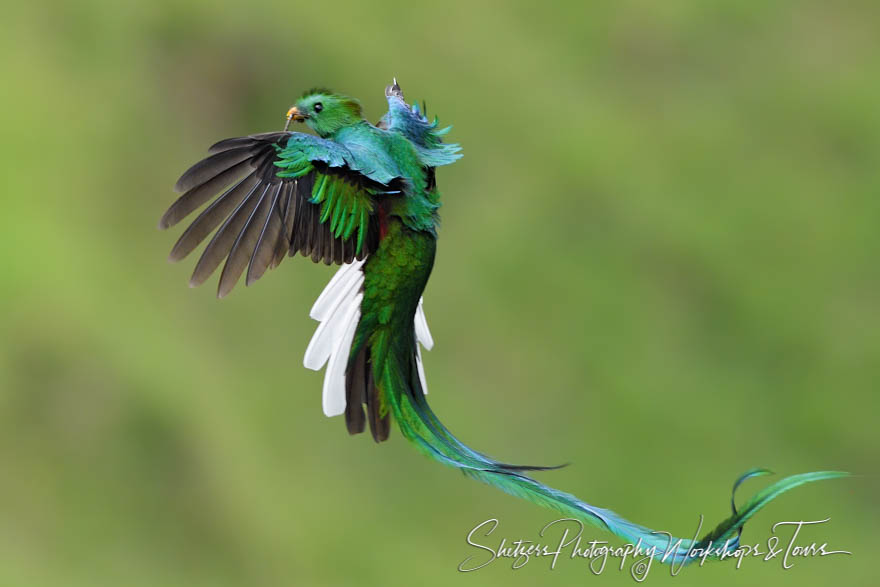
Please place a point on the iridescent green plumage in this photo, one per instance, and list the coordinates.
(367, 194)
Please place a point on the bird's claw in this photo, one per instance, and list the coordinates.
(394, 90)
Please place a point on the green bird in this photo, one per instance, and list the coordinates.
(365, 197)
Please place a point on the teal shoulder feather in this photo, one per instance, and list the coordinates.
(340, 187)
(354, 148)
(425, 136)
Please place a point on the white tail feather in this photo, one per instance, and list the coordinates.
(334, 378)
(338, 309)
(421, 369)
(423, 335)
(333, 324)
(337, 286)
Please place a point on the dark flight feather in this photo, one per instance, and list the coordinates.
(198, 195)
(224, 238)
(211, 217)
(261, 216)
(212, 167)
(265, 137)
(287, 209)
(244, 244)
(264, 251)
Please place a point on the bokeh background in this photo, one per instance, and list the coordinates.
(658, 261)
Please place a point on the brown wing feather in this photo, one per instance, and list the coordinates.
(260, 216)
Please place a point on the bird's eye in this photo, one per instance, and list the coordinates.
(318, 106)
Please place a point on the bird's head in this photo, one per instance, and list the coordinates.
(325, 112)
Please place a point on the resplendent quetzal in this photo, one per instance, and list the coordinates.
(365, 197)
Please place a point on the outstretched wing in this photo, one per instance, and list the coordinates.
(279, 193)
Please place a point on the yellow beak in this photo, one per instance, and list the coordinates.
(294, 114)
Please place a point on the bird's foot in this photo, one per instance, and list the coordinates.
(394, 90)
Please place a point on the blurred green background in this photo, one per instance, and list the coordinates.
(658, 261)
